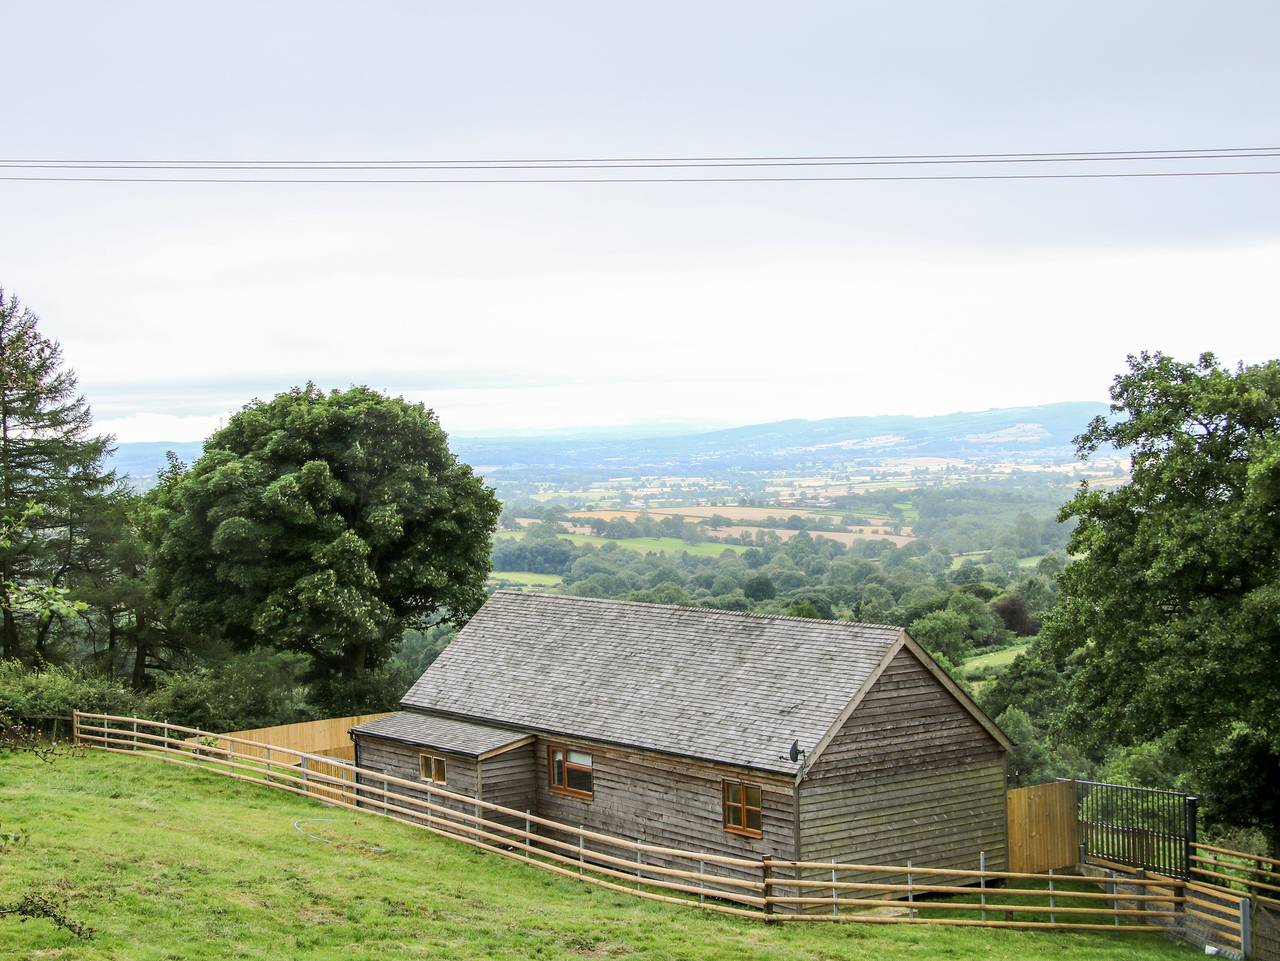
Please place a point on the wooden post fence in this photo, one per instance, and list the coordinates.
(758, 887)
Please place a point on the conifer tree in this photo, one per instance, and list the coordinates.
(51, 478)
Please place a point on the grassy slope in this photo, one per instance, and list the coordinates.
(169, 863)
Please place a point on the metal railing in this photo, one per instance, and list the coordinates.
(1142, 827)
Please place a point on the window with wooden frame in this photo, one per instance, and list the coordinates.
(431, 768)
(742, 809)
(570, 772)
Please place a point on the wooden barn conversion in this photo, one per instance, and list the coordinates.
(675, 726)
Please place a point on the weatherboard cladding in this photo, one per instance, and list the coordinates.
(718, 685)
(442, 733)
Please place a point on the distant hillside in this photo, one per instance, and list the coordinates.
(1018, 434)
(140, 462)
(1027, 434)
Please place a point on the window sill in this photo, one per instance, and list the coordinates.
(569, 792)
(744, 832)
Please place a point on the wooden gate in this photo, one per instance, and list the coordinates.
(1043, 830)
(1266, 929)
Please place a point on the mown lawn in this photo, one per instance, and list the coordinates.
(170, 864)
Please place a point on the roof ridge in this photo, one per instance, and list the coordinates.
(695, 607)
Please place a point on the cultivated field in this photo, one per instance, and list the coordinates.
(168, 863)
(657, 545)
(525, 578)
(742, 514)
(843, 537)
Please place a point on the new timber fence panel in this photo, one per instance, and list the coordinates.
(1043, 827)
(312, 737)
(765, 888)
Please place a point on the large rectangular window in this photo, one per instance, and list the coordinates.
(431, 768)
(742, 809)
(570, 772)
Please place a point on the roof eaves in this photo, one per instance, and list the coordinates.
(648, 749)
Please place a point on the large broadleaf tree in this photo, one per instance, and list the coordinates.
(1169, 620)
(323, 523)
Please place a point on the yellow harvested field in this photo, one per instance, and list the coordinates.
(702, 512)
(843, 537)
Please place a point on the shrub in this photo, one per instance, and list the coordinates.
(259, 689)
(56, 691)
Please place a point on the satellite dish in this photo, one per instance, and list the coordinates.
(795, 753)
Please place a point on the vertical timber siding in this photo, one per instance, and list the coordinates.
(911, 775)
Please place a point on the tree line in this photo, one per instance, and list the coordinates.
(290, 558)
(325, 545)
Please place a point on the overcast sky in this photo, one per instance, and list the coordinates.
(511, 307)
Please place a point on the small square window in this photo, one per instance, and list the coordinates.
(571, 772)
(743, 809)
(431, 768)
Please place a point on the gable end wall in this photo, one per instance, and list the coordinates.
(910, 775)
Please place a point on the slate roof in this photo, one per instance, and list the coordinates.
(717, 685)
(444, 733)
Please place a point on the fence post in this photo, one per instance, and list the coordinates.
(581, 844)
(1192, 804)
(982, 881)
(639, 861)
(1111, 890)
(1052, 901)
(305, 786)
(766, 872)
(911, 896)
(135, 735)
(1246, 927)
(702, 880)
(835, 892)
(75, 726)
(528, 829)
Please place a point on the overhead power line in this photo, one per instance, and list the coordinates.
(611, 165)
(1075, 156)
(1173, 163)
(639, 180)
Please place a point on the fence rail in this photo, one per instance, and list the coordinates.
(765, 888)
(1254, 875)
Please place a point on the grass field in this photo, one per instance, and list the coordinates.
(645, 545)
(526, 578)
(170, 864)
(1001, 658)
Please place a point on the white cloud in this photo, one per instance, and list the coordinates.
(498, 332)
